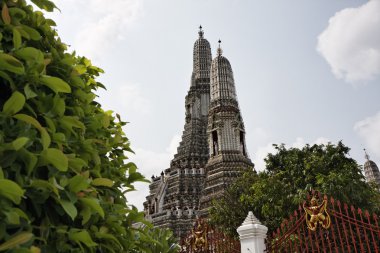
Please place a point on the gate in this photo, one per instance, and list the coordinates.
(326, 225)
(205, 239)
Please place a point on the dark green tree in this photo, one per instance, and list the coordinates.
(274, 194)
(63, 169)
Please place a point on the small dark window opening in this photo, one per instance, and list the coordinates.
(214, 142)
(242, 144)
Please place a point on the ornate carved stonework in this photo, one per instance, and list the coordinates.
(371, 171)
(212, 152)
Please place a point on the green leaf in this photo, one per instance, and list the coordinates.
(86, 214)
(1, 173)
(77, 81)
(9, 63)
(105, 121)
(16, 38)
(33, 33)
(83, 237)
(14, 104)
(16, 241)
(45, 186)
(77, 164)
(102, 182)
(28, 119)
(45, 4)
(59, 106)
(69, 208)
(20, 213)
(56, 84)
(19, 142)
(78, 183)
(109, 236)
(11, 190)
(30, 54)
(17, 13)
(8, 78)
(56, 158)
(45, 138)
(22, 32)
(80, 69)
(70, 121)
(30, 160)
(93, 204)
(12, 217)
(29, 93)
(50, 124)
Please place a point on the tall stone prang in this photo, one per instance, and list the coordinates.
(226, 134)
(371, 171)
(175, 196)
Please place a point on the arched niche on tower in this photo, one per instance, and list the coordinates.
(214, 142)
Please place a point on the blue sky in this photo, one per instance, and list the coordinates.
(305, 71)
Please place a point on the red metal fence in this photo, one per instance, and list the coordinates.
(330, 226)
(204, 239)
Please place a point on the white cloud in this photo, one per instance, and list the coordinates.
(150, 163)
(126, 99)
(262, 152)
(369, 130)
(351, 43)
(259, 135)
(299, 143)
(106, 24)
(321, 140)
(95, 25)
(174, 143)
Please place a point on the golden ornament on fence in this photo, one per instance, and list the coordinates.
(317, 214)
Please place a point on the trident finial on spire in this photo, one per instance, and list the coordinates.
(220, 51)
(200, 32)
(366, 155)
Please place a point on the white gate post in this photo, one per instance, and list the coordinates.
(252, 235)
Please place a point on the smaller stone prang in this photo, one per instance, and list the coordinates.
(371, 171)
(252, 235)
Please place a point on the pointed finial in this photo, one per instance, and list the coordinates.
(220, 51)
(200, 32)
(366, 155)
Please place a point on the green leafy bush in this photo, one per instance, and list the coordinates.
(272, 195)
(62, 157)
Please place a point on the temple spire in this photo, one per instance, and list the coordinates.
(219, 50)
(366, 154)
(226, 134)
(371, 171)
(201, 58)
(200, 32)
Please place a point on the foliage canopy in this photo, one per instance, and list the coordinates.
(63, 173)
(275, 193)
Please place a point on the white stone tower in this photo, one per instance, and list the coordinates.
(371, 171)
(226, 134)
